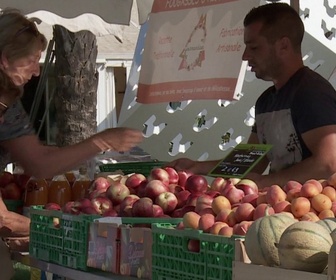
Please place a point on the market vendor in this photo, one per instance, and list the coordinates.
(297, 115)
(21, 46)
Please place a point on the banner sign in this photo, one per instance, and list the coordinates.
(240, 160)
(193, 50)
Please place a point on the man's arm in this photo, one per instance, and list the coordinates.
(322, 144)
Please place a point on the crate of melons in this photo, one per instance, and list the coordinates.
(191, 254)
(281, 247)
(59, 237)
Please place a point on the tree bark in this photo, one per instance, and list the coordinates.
(77, 83)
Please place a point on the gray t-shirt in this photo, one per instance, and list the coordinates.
(16, 123)
(307, 101)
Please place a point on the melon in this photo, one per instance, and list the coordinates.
(328, 223)
(305, 246)
(261, 237)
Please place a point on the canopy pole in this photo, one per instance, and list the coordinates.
(296, 5)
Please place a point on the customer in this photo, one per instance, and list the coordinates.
(21, 45)
(297, 115)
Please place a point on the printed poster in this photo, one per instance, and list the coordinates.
(193, 50)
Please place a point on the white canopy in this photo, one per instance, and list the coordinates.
(101, 17)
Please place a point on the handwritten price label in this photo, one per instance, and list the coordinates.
(240, 160)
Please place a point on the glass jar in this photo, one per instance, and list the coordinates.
(36, 193)
(59, 190)
(81, 185)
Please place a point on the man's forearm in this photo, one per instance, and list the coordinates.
(13, 224)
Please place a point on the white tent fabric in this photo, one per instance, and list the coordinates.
(101, 17)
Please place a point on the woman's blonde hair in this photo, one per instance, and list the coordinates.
(19, 36)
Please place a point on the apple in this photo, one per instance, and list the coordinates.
(157, 211)
(193, 245)
(177, 213)
(234, 195)
(154, 188)
(182, 198)
(128, 201)
(70, 209)
(95, 193)
(203, 201)
(91, 210)
(159, 173)
(183, 176)
(6, 178)
(192, 198)
(187, 208)
(196, 184)
(175, 188)
(101, 204)
(82, 203)
(191, 220)
(100, 184)
(212, 193)
(244, 212)
(12, 191)
(250, 198)
(207, 210)
(143, 207)
(135, 180)
(21, 180)
(248, 186)
(218, 184)
(117, 193)
(173, 175)
(167, 201)
(205, 222)
(125, 212)
(52, 206)
(110, 213)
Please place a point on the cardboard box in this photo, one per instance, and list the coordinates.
(242, 269)
(103, 246)
(136, 251)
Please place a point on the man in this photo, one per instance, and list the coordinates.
(297, 115)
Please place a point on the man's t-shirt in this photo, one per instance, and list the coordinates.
(307, 101)
(15, 124)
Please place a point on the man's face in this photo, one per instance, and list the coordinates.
(259, 53)
(22, 70)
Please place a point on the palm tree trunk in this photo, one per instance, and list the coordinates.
(77, 82)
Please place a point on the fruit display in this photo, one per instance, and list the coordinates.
(12, 186)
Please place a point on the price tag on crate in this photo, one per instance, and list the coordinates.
(240, 160)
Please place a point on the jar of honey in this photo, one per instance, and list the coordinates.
(36, 193)
(81, 185)
(59, 190)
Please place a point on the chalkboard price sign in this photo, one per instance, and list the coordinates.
(240, 160)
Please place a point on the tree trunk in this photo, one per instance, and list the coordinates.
(77, 82)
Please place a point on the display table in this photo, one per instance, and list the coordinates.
(25, 259)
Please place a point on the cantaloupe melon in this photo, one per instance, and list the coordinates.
(328, 223)
(261, 237)
(305, 246)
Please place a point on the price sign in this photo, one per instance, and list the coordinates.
(240, 160)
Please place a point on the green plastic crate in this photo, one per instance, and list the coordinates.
(65, 244)
(132, 167)
(172, 260)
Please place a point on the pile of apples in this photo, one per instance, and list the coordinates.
(12, 186)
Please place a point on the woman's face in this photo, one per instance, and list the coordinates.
(22, 70)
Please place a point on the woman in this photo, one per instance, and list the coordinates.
(21, 46)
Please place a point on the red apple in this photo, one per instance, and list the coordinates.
(218, 184)
(159, 173)
(82, 203)
(250, 198)
(70, 209)
(143, 207)
(193, 245)
(100, 183)
(117, 193)
(167, 201)
(110, 213)
(173, 175)
(12, 191)
(101, 204)
(126, 212)
(196, 184)
(95, 193)
(154, 188)
(52, 206)
(128, 201)
(177, 213)
(183, 176)
(6, 178)
(187, 208)
(203, 201)
(182, 198)
(21, 180)
(175, 188)
(91, 210)
(157, 211)
(135, 180)
(234, 195)
(212, 193)
(248, 186)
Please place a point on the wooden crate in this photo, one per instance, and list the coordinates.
(242, 269)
